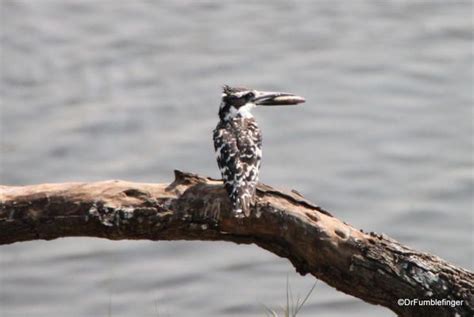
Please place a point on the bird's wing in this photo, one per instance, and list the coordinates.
(238, 157)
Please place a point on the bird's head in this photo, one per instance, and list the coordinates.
(238, 101)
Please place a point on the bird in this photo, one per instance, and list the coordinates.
(238, 142)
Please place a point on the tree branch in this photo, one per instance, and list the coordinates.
(372, 267)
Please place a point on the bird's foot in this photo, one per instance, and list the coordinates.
(238, 213)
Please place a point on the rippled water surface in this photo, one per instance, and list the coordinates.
(95, 90)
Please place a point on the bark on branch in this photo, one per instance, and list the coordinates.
(373, 267)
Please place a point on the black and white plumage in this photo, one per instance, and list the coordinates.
(238, 142)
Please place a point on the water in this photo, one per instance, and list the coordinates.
(95, 90)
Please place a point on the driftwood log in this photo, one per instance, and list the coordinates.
(370, 266)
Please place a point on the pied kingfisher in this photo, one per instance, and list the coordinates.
(238, 142)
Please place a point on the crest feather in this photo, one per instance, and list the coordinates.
(226, 89)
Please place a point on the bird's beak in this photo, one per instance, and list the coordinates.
(269, 98)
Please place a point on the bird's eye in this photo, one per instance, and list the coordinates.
(250, 95)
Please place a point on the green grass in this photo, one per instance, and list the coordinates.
(293, 305)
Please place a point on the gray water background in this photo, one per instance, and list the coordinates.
(96, 90)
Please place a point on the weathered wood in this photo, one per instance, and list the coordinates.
(373, 267)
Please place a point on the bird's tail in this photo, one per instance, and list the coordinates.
(243, 203)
